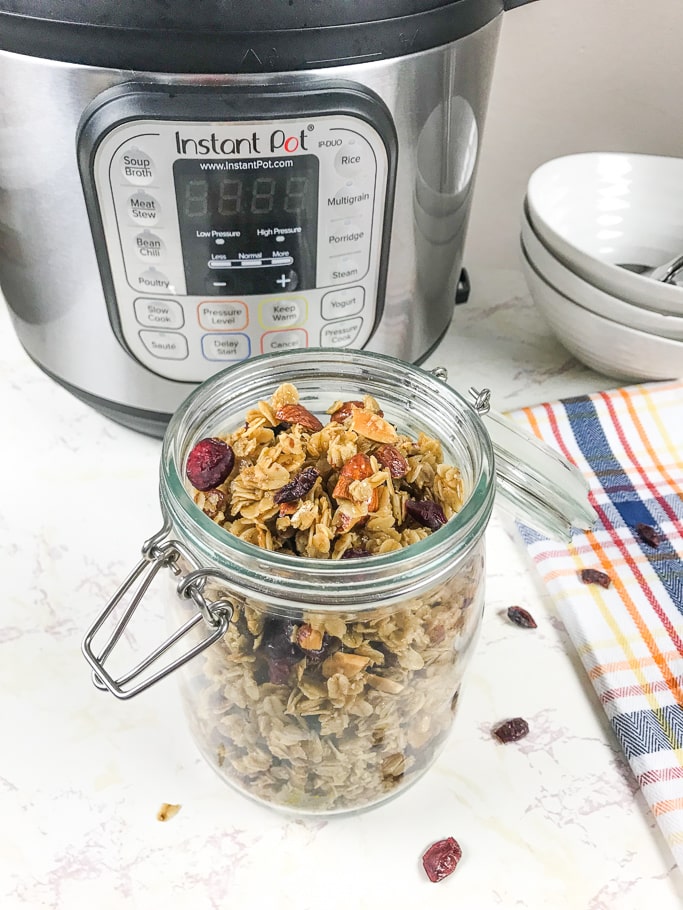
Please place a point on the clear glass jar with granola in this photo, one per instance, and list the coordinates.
(343, 496)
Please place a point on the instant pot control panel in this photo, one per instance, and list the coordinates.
(219, 239)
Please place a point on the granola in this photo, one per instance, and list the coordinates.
(320, 711)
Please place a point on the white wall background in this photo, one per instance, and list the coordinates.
(573, 75)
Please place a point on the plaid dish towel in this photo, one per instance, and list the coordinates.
(629, 445)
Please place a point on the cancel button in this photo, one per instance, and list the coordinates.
(347, 302)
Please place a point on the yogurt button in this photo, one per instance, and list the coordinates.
(347, 302)
(137, 166)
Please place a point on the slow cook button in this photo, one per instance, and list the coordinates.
(283, 311)
(165, 345)
(284, 341)
(222, 315)
(149, 247)
(137, 167)
(347, 302)
(143, 208)
(159, 313)
(226, 347)
(341, 334)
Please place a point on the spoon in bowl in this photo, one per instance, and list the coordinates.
(666, 272)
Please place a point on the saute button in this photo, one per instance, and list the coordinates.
(341, 334)
(137, 167)
(284, 341)
(347, 302)
(165, 345)
(143, 208)
(233, 346)
(165, 314)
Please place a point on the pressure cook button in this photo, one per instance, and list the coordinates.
(282, 312)
(165, 345)
(165, 314)
(137, 167)
(284, 341)
(341, 334)
(354, 157)
(222, 315)
(228, 347)
(347, 302)
(154, 280)
(149, 247)
(143, 208)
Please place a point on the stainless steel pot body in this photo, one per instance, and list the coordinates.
(49, 271)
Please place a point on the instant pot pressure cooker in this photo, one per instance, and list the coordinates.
(186, 185)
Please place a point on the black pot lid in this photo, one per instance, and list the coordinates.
(236, 36)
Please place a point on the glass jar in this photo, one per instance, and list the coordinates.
(355, 720)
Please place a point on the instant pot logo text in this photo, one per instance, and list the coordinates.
(278, 141)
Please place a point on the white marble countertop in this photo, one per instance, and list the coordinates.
(555, 821)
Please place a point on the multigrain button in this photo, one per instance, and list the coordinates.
(349, 200)
(222, 315)
(345, 302)
(228, 347)
(167, 314)
(143, 208)
(282, 312)
(341, 334)
(137, 166)
(149, 247)
(165, 345)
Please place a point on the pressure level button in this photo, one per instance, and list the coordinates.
(143, 208)
(137, 166)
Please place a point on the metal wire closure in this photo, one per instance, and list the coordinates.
(482, 400)
(157, 553)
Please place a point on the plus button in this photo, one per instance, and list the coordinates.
(283, 281)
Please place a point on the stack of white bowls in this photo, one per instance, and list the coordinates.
(585, 216)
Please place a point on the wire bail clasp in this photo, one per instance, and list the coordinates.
(157, 553)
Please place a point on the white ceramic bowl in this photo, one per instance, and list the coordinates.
(592, 298)
(605, 346)
(599, 209)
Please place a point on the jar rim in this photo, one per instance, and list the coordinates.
(285, 578)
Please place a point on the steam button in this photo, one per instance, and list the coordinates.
(137, 166)
(143, 208)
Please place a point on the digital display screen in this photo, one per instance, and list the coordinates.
(248, 226)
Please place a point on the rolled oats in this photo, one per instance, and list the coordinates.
(324, 711)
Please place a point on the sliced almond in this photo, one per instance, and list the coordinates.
(348, 665)
(308, 638)
(384, 684)
(372, 426)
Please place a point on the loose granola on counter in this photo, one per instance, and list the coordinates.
(325, 711)
(351, 488)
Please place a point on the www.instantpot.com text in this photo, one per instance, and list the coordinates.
(249, 164)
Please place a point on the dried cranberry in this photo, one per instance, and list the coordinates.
(648, 534)
(209, 464)
(426, 512)
(511, 730)
(297, 487)
(280, 648)
(441, 859)
(355, 553)
(521, 617)
(595, 577)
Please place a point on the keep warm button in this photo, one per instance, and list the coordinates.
(282, 312)
(341, 334)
